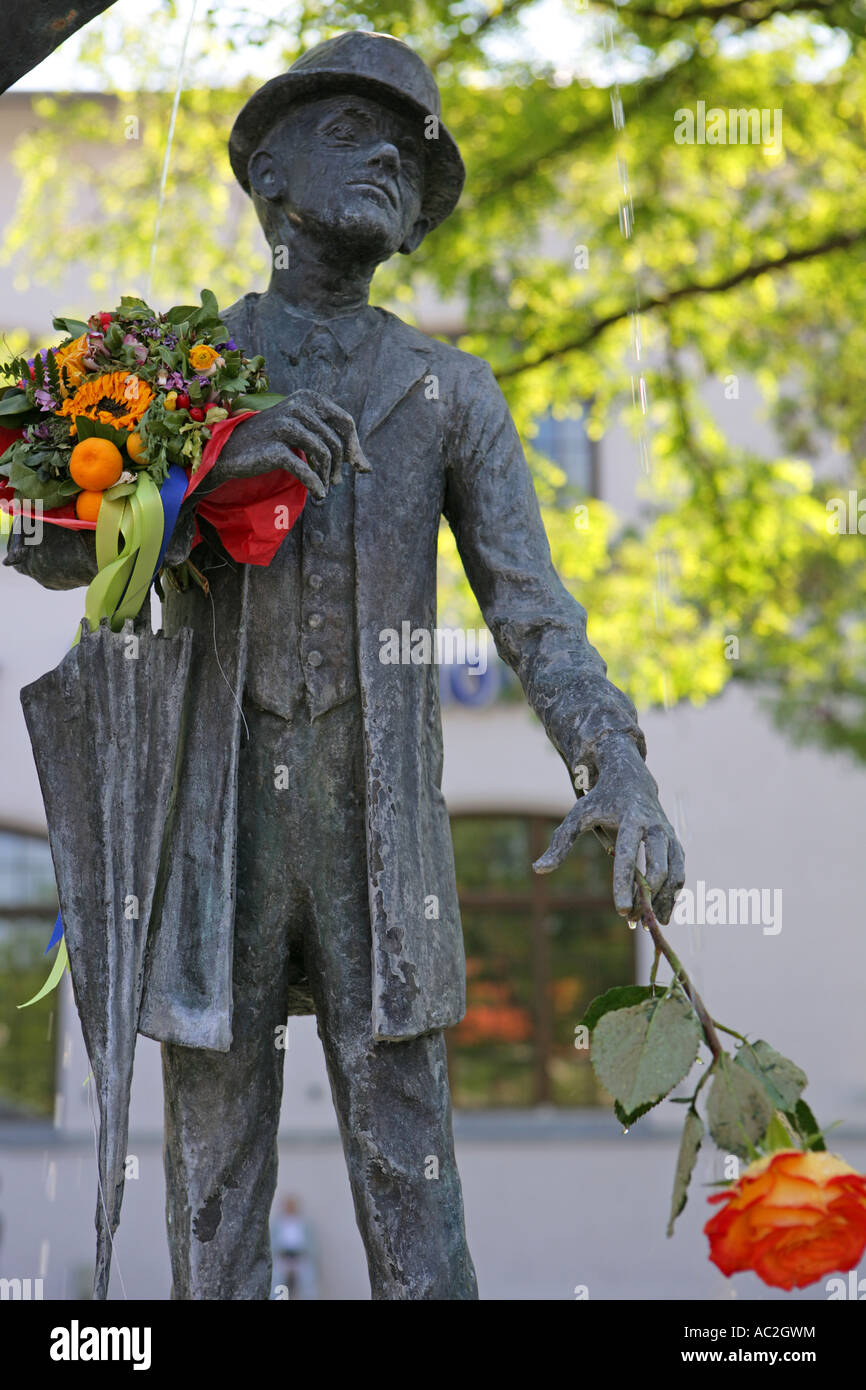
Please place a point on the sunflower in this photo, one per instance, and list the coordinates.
(119, 399)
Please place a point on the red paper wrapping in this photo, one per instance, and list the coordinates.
(250, 515)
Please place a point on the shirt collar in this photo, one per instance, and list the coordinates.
(350, 330)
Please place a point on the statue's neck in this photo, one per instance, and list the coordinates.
(316, 287)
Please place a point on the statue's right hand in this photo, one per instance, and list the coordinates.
(305, 421)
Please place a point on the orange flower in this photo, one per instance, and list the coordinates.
(201, 357)
(70, 358)
(119, 398)
(791, 1217)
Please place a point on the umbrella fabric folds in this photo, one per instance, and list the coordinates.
(107, 729)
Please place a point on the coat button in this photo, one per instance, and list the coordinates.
(315, 581)
(314, 620)
(314, 658)
(317, 537)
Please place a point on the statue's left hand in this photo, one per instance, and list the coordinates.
(625, 801)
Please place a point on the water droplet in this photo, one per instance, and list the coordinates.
(625, 1131)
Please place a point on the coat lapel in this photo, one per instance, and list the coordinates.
(400, 363)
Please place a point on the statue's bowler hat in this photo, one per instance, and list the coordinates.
(372, 65)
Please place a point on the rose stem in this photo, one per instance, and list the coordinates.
(649, 920)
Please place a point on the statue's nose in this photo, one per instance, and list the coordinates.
(385, 156)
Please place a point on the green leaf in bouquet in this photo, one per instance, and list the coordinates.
(38, 371)
(119, 490)
(230, 384)
(53, 373)
(209, 311)
(641, 1053)
(74, 327)
(181, 313)
(257, 400)
(739, 1109)
(67, 487)
(167, 422)
(192, 447)
(87, 429)
(26, 482)
(693, 1133)
(114, 335)
(783, 1080)
(620, 997)
(15, 402)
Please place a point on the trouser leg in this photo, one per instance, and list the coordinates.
(222, 1109)
(392, 1099)
(395, 1120)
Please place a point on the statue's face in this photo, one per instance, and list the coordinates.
(350, 173)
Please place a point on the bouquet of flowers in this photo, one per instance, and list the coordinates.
(113, 428)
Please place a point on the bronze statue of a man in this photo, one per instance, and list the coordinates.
(311, 832)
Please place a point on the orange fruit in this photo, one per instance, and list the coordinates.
(135, 448)
(95, 464)
(87, 505)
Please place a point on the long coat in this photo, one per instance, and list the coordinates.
(440, 440)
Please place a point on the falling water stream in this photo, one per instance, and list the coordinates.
(169, 141)
(640, 399)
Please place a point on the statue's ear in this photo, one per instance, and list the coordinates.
(416, 236)
(263, 175)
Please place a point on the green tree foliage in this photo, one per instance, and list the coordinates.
(745, 261)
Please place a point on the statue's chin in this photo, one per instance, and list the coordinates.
(360, 236)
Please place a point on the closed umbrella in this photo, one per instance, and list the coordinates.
(107, 730)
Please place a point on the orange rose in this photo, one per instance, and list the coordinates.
(791, 1217)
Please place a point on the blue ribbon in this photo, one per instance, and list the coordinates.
(171, 494)
(55, 935)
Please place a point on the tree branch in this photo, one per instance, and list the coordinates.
(840, 242)
(747, 10)
(487, 21)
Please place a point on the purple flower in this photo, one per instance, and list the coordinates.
(231, 345)
(44, 399)
(40, 431)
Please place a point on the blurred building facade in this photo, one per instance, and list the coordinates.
(559, 1202)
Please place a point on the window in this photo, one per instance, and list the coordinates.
(538, 949)
(28, 907)
(567, 444)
